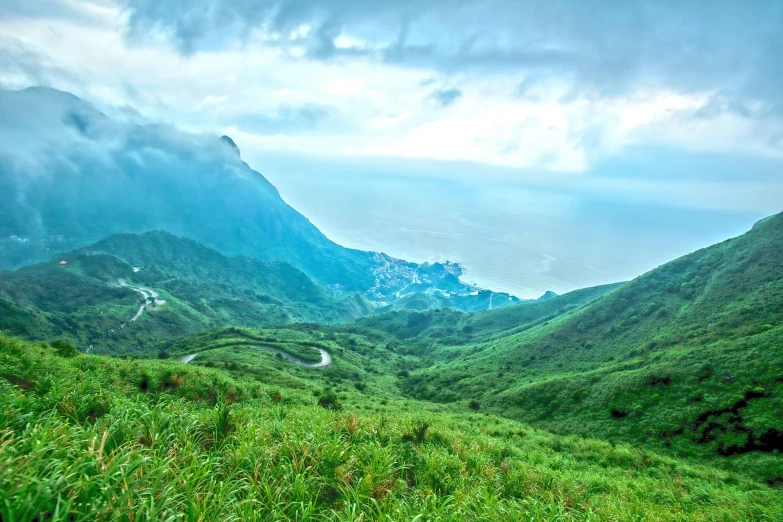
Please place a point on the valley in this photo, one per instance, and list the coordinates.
(630, 362)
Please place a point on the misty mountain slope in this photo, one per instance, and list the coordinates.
(81, 299)
(69, 175)
(686, 358)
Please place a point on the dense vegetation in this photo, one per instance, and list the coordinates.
(86, 438)
(686, 358)
(445, 326)
(82, 300)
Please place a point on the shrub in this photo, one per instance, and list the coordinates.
(330, 401)
(619, 414)
(64, 348)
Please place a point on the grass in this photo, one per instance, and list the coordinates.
(81, 440)
(685, 359)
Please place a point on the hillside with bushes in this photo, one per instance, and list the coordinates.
(684, 359)
(100, 438)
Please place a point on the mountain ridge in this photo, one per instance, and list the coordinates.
(71, 176)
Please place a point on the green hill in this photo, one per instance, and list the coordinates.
(450, 327)
(663, 393)
(82, 300)
(686, 358)
(91, 438)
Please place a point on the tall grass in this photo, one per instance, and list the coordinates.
(80, 441)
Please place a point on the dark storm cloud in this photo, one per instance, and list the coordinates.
(446, 97)
(608, 47)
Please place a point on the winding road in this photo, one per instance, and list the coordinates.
(326, 359)
(150, 297)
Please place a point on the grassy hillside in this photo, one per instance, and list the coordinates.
(687, 358)
(186, 263)
(446, 327)
(82, 300)
(86, 438)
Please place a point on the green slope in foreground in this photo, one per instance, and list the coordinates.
(91, 438)
(687, 358)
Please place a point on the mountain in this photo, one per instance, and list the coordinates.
(687, 358)
(270, 373)
(78, 295)
(70, 175)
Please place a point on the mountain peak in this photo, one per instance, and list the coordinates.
(231, 144)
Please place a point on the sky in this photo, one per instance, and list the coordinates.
(540, 117)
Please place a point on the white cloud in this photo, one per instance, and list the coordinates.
(382, 107)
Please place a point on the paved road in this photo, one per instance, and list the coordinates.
(326, 359)
(150, 297)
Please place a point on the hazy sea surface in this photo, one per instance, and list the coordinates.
(508, 237)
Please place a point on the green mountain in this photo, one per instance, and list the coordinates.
(78, 294)
(651, 387)
(452, 327)
(685, 359)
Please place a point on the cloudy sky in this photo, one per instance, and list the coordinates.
(672, 103)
